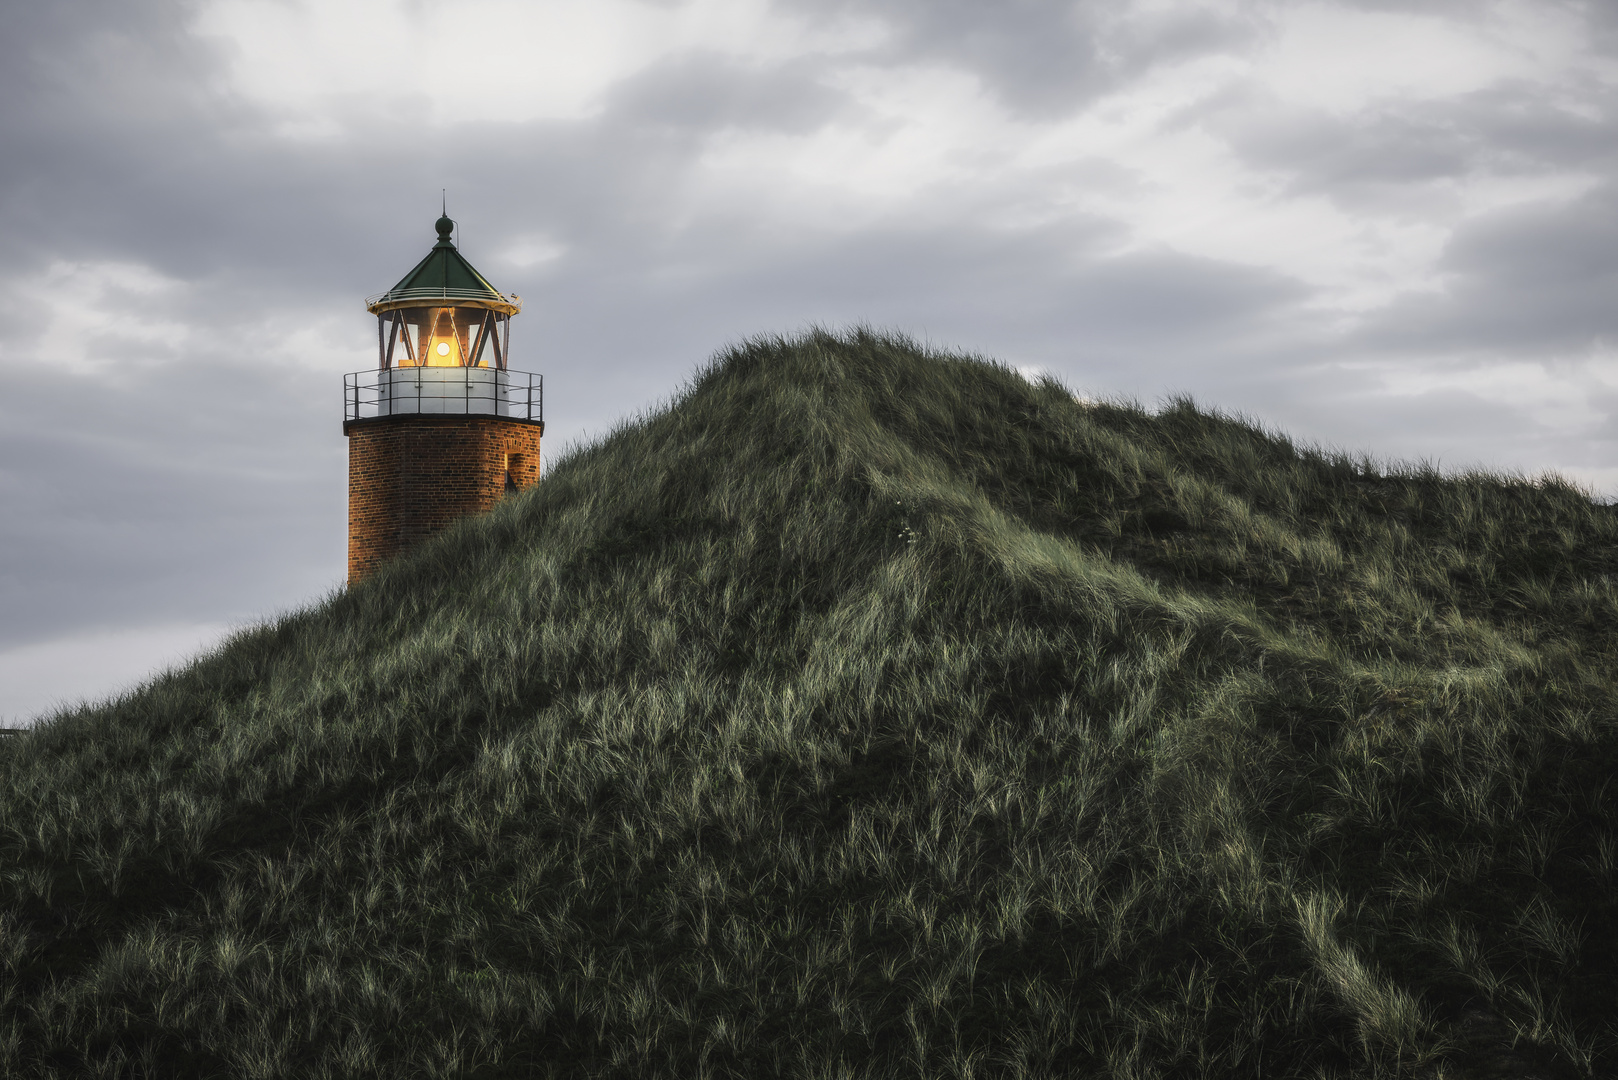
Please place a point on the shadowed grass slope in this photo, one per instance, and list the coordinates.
(866, 713)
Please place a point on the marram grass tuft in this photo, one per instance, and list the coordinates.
(866, 712)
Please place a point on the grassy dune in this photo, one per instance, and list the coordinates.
(866, 713)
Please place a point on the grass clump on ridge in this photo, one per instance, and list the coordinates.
(865, 713)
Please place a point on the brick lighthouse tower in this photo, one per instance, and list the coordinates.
(443, 428)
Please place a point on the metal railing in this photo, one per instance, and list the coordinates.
(453, 391)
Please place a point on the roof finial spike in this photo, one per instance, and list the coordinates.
(443, 197)
(445, 227)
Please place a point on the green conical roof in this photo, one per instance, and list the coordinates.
(444, 275)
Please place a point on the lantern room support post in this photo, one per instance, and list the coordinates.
(393, 338)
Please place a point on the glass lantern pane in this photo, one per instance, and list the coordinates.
(440, 337)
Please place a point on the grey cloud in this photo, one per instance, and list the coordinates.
(1349, 408)
(106, 113)
(1035, 53)
(1528, 281)
(186, 493)
(703, 93)
(1331, 153)
(1377, 155)
(1043, 57)
(1531, 126)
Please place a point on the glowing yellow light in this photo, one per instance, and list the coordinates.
(442, 347)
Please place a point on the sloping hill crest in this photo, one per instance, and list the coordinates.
(866, 712)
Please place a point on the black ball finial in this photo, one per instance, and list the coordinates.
(445, 226)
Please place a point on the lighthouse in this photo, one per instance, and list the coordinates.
(443, 427)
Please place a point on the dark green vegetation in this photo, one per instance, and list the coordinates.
(866, 713)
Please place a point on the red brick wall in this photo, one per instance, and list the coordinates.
(410, 476)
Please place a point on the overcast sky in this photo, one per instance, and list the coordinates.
(1383, 226)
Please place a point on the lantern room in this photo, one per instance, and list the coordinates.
(448, 336)
(443, 313)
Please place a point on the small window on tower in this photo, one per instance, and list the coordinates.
(513, 471)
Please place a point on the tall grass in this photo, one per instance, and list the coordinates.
(866, 712)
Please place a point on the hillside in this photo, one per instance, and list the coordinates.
(866, 713)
